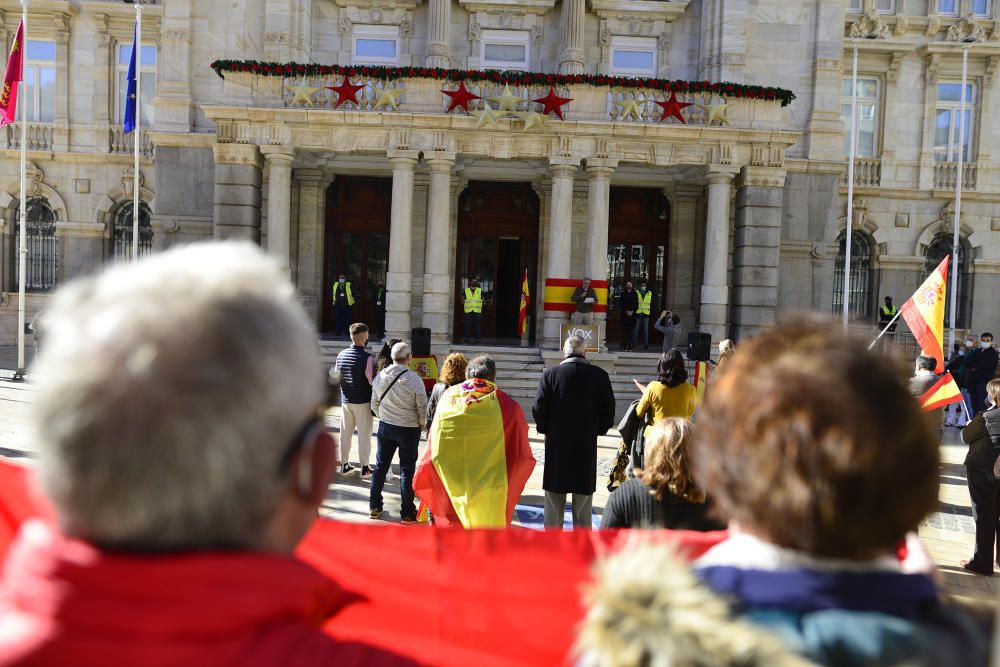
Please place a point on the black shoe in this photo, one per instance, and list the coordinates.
(971, 567)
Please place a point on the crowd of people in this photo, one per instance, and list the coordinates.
(182, 444)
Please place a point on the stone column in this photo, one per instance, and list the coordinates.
(309, 270)
(437, 278)
(715, 281)
(571, 60)
(279, 202)
(174, 112)
(599, 171)
(60, 131)
(238, 180)
(756, 249)
(439, 32)
(398, 300)
(560, 244)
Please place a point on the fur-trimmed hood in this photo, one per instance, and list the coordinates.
(647, 609)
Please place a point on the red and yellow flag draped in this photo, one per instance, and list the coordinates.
(523, 315)
(477, 459)
(944, 392)
(13, 77)
(924, 313)
(700, 380)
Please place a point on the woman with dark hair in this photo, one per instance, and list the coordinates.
(669, 395)
(384, 358)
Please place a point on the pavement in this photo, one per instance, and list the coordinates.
(948, 534)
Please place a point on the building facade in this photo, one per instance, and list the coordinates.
(733, 209)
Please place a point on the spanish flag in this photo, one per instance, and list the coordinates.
(944, 392)
(924, 313)
(523, 316)
(700, 381)
(559, 292)
(477, 459)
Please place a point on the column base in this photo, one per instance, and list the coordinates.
(551, 330)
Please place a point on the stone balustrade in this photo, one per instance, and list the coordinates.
(120, 143)
(423, 96)
(946, 175)
(867, 173)
(40, 136)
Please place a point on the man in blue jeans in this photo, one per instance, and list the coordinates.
(400, 401)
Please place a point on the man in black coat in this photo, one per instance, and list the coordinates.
(980, 369)
(628, 304)
(575, 404)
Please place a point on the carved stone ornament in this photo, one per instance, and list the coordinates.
(604, 35)
(860, 212)
(967, 30)
(948, 212)
(869, 26)
(35, 177)
(475, 31)
(127, 185)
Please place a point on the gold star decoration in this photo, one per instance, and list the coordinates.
(532, 119)
(303, 94)
(630, 106)
(487, 116)
(507, 101)
(715, 112)
(388, 98)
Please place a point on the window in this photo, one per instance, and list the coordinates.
(861, 275)
(881, 6)
(147, 82)
(946, 126)
(505, 50)
(42, 246)
(868, 116)
(947, 7)
(938, 249)
(122, 235)
(635, 56)
(375, 45)
(40, 81)
(981, 7)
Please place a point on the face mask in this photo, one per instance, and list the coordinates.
(961, 353)
(341, 281)
(970, 343)
(986, 344)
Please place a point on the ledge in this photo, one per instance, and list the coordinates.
(525, 6)
(648, 9)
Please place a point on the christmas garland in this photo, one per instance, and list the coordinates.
(289, 70)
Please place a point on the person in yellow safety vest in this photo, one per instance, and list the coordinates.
(642, 316)
(473, 302)
(885, 315)
(343, 301)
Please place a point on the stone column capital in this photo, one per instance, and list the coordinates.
(310, 175)
(403, 159)
(721, 174)
(761, 177)
(563, 167)
(440, 161)
(601, 167)
(237, 154)
(280, 155)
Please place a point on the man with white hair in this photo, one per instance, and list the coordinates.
(575, 404)
(181, 443)
(400, 401)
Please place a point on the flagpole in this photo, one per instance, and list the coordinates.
(958, 198)
(136, 130)
(850, 188)
(22, 244)
(899, 311)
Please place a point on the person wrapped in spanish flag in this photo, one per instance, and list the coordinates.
(478, 458)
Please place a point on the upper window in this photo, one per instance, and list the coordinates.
(147, 82)
(635, 56)
(375, 45)
(947, 7)
(881, 6)
(981, 7)
(40, 81)
(505, 50)
(947, 139)
(868, 116)
(40, 237)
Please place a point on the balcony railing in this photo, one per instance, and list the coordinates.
(120, 143)
(946, 175)
(867, 173)
(424, 96)
(39, 136)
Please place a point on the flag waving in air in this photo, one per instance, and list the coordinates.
(13, 78)
(944, 392)
(129, 124)
(924, 313)
(522, 318)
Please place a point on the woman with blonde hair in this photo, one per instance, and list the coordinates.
(452, 373)
(663, 493)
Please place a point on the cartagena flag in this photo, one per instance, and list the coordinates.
(477, 459)
(12, 79)
(700, 380)
(522, 317)
(944, 392)
(924, 313)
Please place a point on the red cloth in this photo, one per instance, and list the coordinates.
(506, 598)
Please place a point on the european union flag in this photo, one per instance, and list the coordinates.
(130, 96)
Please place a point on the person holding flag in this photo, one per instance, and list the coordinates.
(923, 379)
(924, 314)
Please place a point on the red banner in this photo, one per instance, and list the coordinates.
(14, 76)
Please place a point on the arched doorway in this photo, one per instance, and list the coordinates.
(497, 241)
(862, 255)
(638, 234)
(356, 243)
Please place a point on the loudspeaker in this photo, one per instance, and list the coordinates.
(699, 346)
(420, 342)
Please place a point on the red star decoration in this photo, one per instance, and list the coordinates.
(673, 108)
(553, 103)
(460, 97)
(346, 92)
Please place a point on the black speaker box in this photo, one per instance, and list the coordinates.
(420, 342)
(699, 346)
